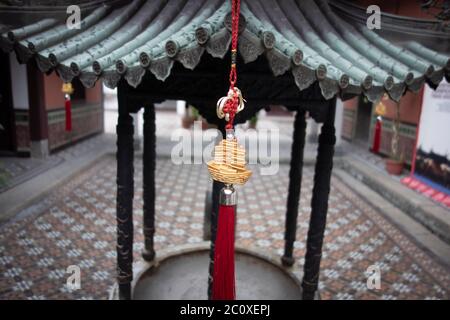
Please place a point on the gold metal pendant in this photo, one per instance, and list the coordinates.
(228, 165)
(222, 101)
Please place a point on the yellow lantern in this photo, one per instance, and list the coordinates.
(380, 109)
(67, 88)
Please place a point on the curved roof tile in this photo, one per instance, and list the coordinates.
(303, 37)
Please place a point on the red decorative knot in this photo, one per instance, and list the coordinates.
(232, 103)
(231, 107)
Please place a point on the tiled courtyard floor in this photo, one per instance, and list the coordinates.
(16, 170)
(78, 228)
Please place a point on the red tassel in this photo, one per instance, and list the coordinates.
(377, 137)
(223, 276)
(68, 106)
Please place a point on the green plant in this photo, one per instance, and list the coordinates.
(395, 151)
(195, 113)
(254, 119)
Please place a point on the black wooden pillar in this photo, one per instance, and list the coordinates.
(216, 187)
(37, 112)
(319, 204)
(125, 192)
(149, 164)
(295, 182)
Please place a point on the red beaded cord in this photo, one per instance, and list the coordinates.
(231, 105)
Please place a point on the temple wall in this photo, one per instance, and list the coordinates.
(410, 107)
(401, 7)
(349, 118)
(410, 104)
(19, 91)
(87, 116)
(54, 98)
(87, 113)
(22, 130)
(407, 140)
(87, 119)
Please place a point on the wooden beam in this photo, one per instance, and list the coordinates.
(36, 98)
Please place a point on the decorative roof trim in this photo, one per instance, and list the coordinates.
(343, 59)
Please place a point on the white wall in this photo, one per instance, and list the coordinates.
(181, 107)
(19, 83)
(339, 117)
(434, 127)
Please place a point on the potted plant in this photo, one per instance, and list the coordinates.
(195, 114)
(252, 122)
(395, 163)
(188, 118)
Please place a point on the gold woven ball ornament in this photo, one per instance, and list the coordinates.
(228, 165)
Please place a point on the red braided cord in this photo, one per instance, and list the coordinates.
(231, 105)
(235, 10)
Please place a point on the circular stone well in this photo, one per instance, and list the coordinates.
(181, 273)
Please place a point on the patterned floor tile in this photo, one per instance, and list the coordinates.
(78, 228)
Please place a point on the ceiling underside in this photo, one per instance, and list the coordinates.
(303, 37)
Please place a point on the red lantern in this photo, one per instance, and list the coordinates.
(68, 107)
(377, 136)
(67, 89)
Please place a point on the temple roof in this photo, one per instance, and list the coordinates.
(303, 37)
(392, 22)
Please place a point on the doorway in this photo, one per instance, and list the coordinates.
(7, 134)
(363, 118)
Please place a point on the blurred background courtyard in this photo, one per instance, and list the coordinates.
(389, 202)
(71, 220)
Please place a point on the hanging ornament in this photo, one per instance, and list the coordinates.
(228, 167)
(67, 89)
